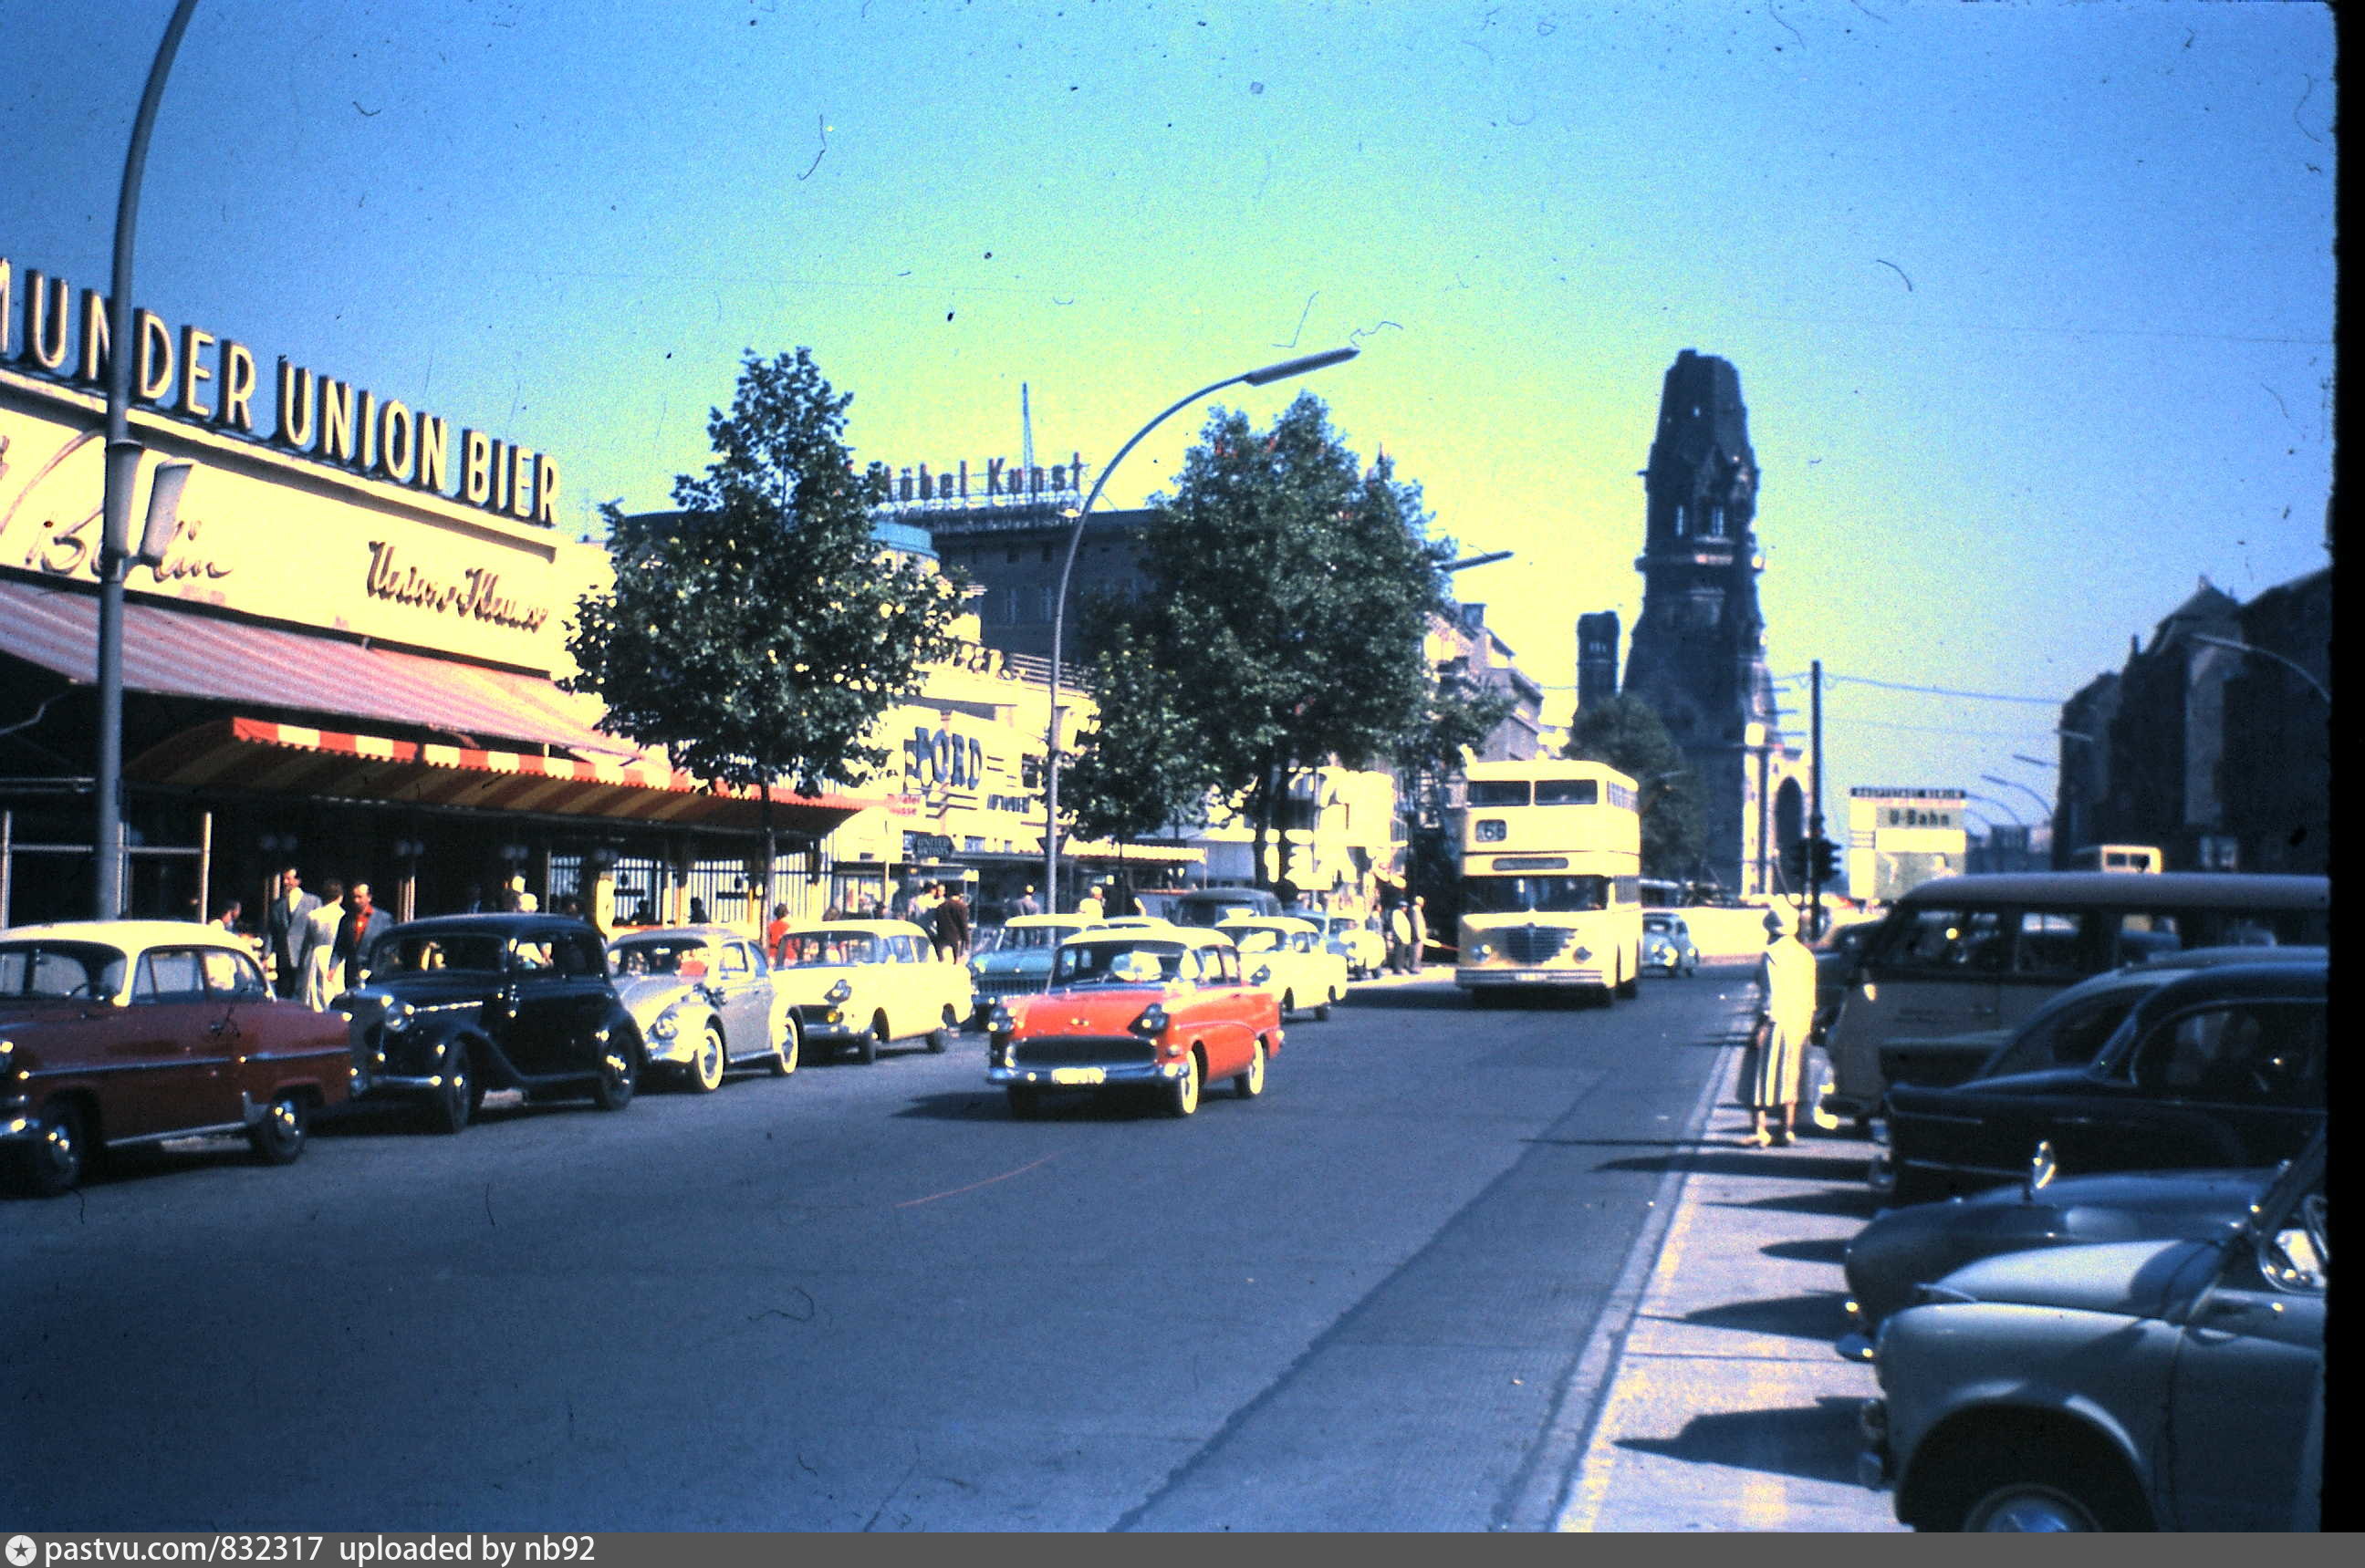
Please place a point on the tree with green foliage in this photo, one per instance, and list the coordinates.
(1625, 734)
(1291, 592)
(758, 634)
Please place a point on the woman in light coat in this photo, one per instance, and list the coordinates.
(320, 946)
(1785, 977)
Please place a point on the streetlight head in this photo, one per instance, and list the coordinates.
(1300, 366)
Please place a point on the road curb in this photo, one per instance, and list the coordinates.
(1554, 1475)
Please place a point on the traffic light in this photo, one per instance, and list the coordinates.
(1824, 858)
(1815, 859)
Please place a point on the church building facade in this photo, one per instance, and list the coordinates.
(1698, 656)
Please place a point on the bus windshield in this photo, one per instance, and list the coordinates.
(1518, 895)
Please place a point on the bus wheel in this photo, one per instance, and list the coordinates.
(1631, 983)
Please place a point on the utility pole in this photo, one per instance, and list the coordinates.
(1815, 811)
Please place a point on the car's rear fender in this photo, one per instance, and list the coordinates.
(2000, 1417)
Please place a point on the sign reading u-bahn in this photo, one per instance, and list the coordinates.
(196, 376)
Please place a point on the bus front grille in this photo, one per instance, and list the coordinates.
(1533, 943)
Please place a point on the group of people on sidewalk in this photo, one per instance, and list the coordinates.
(311, 941)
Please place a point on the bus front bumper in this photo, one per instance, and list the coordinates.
(1472, 976)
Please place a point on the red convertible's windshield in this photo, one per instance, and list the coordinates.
(1117, 963)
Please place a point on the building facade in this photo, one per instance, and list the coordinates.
(1697, 654)
(2212, 743)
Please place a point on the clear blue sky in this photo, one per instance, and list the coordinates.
(2032, 303)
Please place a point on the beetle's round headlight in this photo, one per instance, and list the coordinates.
(398, 1017)
(666, 1026)
(1485, 950)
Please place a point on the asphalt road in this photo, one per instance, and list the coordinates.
(867, 1298)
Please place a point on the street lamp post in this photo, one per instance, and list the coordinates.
(122, 472)
(2042, 804)
(1261, 377)
(2292, 664)
(1992, 801)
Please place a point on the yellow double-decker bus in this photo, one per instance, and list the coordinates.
(1552, 862)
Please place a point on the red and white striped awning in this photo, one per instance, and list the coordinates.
(261, 756)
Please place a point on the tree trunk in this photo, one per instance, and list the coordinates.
(763, 899)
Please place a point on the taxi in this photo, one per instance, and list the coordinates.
(1291, 959)
(859, 985)
(1161, 1008)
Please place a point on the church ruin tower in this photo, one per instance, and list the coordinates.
(1597, 657)
(1697, 654)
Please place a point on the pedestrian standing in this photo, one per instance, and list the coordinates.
(774, 932)
(362, 923)
(321, 947)
(1027, 902)
(283, 927)
(1418, 922)
(1090, 907)
(952, 927)
(1785, 979)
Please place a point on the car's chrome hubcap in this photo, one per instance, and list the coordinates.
(2034, 1512)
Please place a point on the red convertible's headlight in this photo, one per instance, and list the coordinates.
(1152, 1021)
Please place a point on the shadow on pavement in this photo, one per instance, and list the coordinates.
(1078, 1105)
(1817, 1442)
(1857, 1204)
(1779, 1165)
(1819, 1315)
(1828, 1249)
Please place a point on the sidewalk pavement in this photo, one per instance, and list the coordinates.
(1726, 1408)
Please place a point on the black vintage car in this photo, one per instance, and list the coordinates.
(455, 1006)
(2221, 1067)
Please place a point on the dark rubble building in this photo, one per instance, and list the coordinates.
(1699, 652)
(2218, 757)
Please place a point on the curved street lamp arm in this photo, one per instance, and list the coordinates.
(1262, 376)
(2289, 664)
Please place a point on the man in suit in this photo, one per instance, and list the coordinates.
(362, 923)
(286, 931)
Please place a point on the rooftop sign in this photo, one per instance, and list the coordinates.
(216, 382)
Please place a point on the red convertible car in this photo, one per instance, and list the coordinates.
(121, 1032)
(1162, 1007)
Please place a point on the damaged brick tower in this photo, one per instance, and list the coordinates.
(1699, 651)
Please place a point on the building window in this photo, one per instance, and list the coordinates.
(1046, 598)
(1716, 523)
(1013, 555)
(1679, 520)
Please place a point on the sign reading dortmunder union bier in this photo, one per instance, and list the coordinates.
(312, 499)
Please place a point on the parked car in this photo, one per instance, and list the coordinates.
(1288, 957)
(703, 1000)
(2222, 1066)
(1166, 1010)
(2070, 1028)
(2172, 1384)
(455, 1006)
(859, 985)
(1667, 944)
(1213, 906)
(1835, 960)
(1020, 963)
(1355, 939)
(1957, 954)
(115, 1033)
(1903, 1249)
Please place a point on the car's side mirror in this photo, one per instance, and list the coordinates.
(1262, 975)
(2297, 1255)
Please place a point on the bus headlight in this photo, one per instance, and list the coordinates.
(1483, 951)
